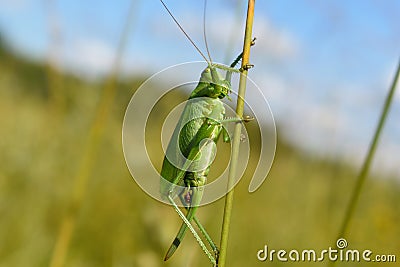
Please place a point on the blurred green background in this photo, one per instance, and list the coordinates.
(66, 195)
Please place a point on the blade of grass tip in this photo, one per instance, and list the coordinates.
(368, 159)
(236, 134)
(54, 75)
(90, 150)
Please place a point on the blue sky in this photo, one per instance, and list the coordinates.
(325, 66)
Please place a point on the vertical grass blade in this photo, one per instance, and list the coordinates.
(368, 159)
(236, 135)
(88, 159)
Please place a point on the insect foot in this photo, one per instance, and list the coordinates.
(246, 67)
(247, 118)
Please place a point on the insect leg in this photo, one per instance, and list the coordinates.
(202, 229)
(235, 62)
(239, 57)
(200, 226)
(225, 133)
(234, 119)
(186, 224)
(207, 236)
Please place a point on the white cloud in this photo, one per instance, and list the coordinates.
(274, 41)
(89, 57)
(223, 28)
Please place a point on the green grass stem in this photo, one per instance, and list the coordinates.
(368, 159)
(236, 137)
(91, 149)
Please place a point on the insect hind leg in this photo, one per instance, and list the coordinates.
(207, 237)
(186, 203)
(176, 242)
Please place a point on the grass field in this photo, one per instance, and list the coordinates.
(44, 143)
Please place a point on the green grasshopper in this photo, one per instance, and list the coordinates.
(192, 148)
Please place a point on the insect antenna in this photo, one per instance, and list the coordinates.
(204, 30)
(184, 32)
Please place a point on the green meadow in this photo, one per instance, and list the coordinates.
(64, 186)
